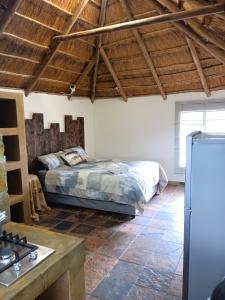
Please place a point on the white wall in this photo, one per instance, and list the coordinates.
(141, 129)
(55, 107)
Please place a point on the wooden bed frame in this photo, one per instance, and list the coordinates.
(42, 141)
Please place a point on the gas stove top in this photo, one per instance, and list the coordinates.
(17, 257)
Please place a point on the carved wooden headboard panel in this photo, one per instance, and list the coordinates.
(42, 141)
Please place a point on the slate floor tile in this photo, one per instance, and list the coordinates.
(93, 243)
(126, 271)
(102, 232)
(92, 279)
(143, 293)
(155, 280)
(89, 297)
(169, 248)
(96, 220)
(112, 224)
(112, 289)
(175, 288)
(63, 214)
(100, 264)
(179, 269)
(63, 226)
(83, 229)
(162, 263)
(173, 236)
(49, 222)
(112, 249)
(129, 259)
(136, 255)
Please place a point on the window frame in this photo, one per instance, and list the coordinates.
(204, 105)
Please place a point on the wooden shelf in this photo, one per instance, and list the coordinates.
(13, 165)
(8, 131)
(14, 199)
(12, 128)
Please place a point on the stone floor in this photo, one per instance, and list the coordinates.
(129, 259)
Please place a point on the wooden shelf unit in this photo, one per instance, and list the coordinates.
(12, 128)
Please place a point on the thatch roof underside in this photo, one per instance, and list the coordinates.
(25, 42)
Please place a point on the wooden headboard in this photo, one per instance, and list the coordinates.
(42, 141)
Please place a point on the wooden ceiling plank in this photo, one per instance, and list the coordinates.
(8, 15)
(199, 67)
(113, 73)
(85, 73)
(141, 44)
(171, 17)
(214, 51)
(97, 50)
(54, 45)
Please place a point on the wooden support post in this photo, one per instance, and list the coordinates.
(8, 15)
(97, 51)
(111, 70)
(172, 17)
(54, 47)
(143, 49)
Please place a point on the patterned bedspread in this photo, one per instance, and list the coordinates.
(125, 182)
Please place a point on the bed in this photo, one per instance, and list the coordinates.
(109, 185)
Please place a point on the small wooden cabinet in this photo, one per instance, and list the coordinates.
(12, 129)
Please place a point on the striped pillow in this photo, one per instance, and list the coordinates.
(72, 158)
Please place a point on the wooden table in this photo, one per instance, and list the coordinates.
(59, 277)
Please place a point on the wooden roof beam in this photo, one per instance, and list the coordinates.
(199, 67)
(143, 49)
(194, 54)
(171, 17)
(8, 15)
(205, 33)
(85, 73)
(113, 73)
(54, 45)
(97, 51)
(214, 51)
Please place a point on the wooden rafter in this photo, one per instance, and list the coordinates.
(193, 52)
(214, 51)
(54, 46)
(8, 15)
(171, 17)
(97, 51)
(199, 67)
(85, 73)
(113, 73)
(141, 44)
(204, 32)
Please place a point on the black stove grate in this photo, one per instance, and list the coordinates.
(19, 247)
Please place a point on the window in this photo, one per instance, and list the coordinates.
(196, 116)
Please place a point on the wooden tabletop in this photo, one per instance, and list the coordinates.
(68, 250)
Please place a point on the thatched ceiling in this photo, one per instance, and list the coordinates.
(155, 59)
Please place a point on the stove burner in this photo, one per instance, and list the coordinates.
(6, 253)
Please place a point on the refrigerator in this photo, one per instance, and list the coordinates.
(204, 226)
